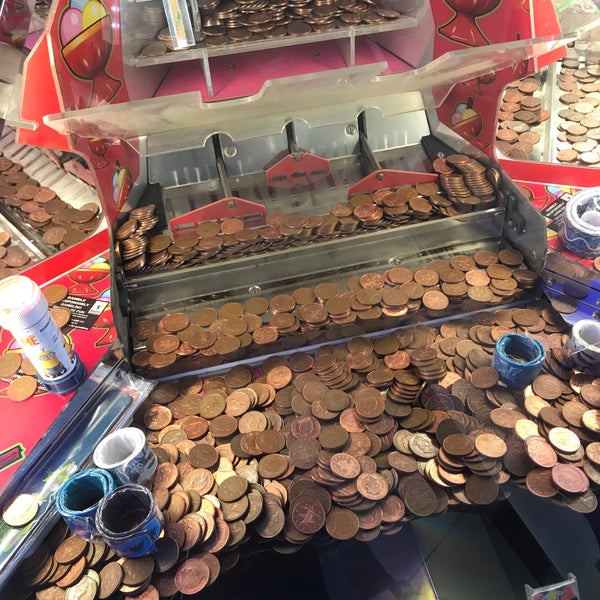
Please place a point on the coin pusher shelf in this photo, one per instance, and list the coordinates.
(343, 41)
(353, 153)
(194, 153)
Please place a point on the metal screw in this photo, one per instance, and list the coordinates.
(396, 260)
(230, 151)
(351, 129)
(231, 204)
(254, 289)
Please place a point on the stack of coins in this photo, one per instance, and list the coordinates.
(60, 223)
(466, 183)
(520, 113)
(367, 302)
(579, 125)
(465, 187)
(247, 21)
(279, 454)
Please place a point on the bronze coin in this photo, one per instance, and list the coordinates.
(435, 300)
(569, 478)
(333, 437)
(223, 426)
(372, 486)
(481, 490)
(307, 514)
(547, 386)
(22, 388)
(272, 466)
(418, 496)
(279, 377)
(199, 480)
(458, 444)
(342, 524)
(166, 475)
(484, 377)
(592, 451)
(490, 445)
(271, 521)
(304, 453)
(539, 482)
(137, 570)
(204, 317)
(256, 305)
(174, 322)
(203, 456)
(232, 489)
(270, 441)
(9, 364)
(212, 405)
(60, 315)
(541, 452)
(345, 466)
(55, 293)
(393, 509)
(16, 257)
(70, 550)
(157, 417)
(165, 343)
(192, 576)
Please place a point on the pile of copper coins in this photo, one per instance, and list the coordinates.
(247, 21)
(12, 256)
(350, 442)
(309, 314)
(463, 187)
(60, 223)
(520, 111)
(579, 125)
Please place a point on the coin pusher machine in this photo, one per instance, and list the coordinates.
(297, 146)
(326, 139)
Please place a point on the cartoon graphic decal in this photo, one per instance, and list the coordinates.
(462, 27)
(86, 276)
(52, 366)
(122, 183)
(99, 147)
(474, 85)
(466, 121)
(11, 456)
(85, 32)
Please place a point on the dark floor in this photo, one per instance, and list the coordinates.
(461, 555)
